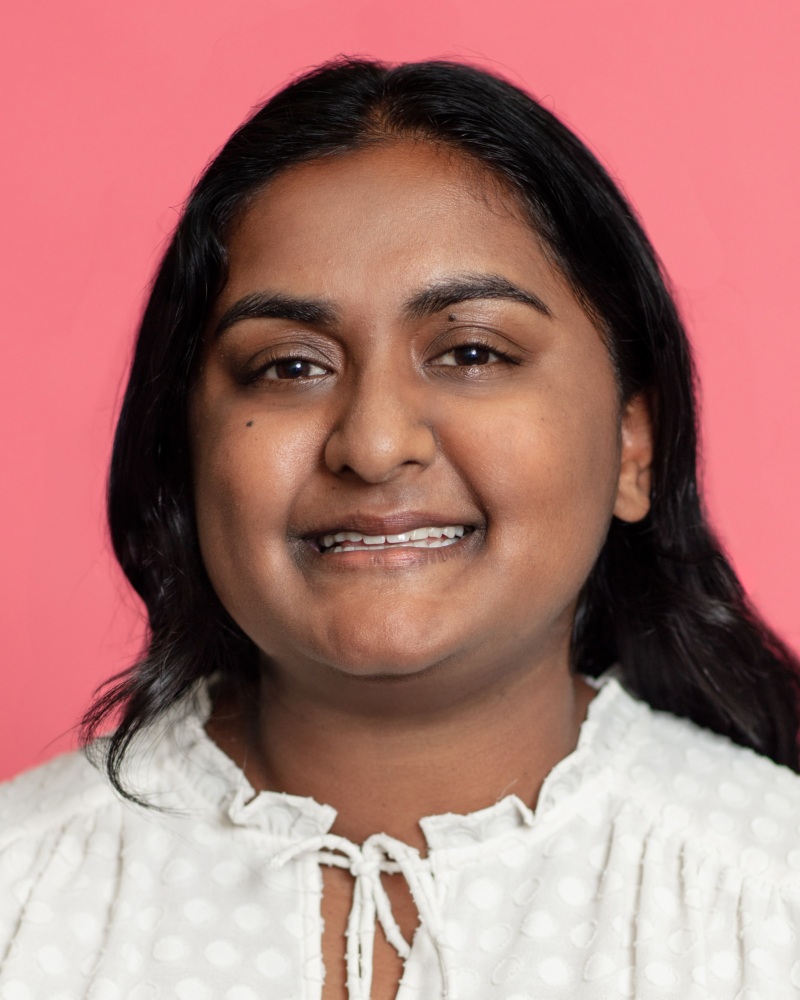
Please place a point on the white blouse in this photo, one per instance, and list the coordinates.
(661, 861)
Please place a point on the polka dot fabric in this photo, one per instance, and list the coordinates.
(661, 861)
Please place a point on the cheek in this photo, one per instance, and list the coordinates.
(246, 479)
(551, 474)
(247, 472)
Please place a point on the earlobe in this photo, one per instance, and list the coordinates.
(636, 458)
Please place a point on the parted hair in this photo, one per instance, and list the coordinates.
(662, 602)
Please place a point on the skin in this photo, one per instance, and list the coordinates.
(405, 682)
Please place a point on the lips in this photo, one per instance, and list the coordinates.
(371, 532)
(425, 537)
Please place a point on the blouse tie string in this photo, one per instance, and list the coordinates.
(379, 855)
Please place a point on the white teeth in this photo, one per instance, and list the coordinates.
(340, 536)
(431, 538)
(428, 543)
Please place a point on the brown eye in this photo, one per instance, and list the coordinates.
(293, 368)
(468, 356)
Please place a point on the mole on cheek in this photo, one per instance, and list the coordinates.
(249, 423)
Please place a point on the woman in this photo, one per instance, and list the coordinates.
(405, 476)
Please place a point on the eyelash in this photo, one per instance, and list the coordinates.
(500, 356)
(260, 373)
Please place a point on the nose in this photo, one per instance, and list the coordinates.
(382, 430)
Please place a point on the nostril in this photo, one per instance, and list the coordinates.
(374, 448)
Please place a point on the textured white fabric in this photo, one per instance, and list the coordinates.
(661, 861)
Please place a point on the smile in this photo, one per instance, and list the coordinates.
(417, 538)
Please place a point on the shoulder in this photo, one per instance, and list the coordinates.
(65, 790)
(60, 826)
(724, 800)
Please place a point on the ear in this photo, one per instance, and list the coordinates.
(636, 457)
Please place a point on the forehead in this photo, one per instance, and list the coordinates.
(367, 227)
(427, 180)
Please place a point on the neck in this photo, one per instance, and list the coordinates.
(383, 762)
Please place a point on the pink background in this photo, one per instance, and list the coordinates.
(112, 108)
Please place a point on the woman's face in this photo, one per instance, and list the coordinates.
(392, 355)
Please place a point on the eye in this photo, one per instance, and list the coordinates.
(469, 356)
(290, 369)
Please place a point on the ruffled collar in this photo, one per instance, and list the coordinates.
(178, 767)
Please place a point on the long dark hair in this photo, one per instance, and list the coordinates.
(662, 600)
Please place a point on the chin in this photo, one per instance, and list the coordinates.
(387, 670)
(393, 650)
(380, 662)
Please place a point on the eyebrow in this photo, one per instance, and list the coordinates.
(431, 300)
(465, 288)
(273, 305)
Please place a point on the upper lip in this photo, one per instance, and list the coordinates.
(386, 524)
